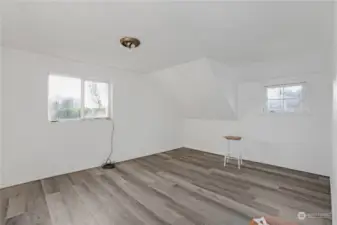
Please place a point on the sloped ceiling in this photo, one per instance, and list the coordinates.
(171, 32)
(188, 48)
(202, 89)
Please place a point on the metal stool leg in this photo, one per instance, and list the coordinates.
(229, 151)
(239, 162)
(228, 155)
(241, 150)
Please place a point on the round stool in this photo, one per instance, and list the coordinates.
(228, 155)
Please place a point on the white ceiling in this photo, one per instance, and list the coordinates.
(171, 33)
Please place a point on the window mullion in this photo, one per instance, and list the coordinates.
(283, 105)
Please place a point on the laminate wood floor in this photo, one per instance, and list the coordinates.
(180, 187)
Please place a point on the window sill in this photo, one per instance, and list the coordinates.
(289, 114)
(80, 120)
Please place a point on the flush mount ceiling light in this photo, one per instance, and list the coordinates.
(130, 42)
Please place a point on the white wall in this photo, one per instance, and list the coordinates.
(1, 91)
(299, 142)
(207, 135)
(198, 90)
(148, 121)
(295, 141)
(333, 68)
(227, 83)
(145, 121)
(334, 149)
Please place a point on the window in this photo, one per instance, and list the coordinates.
(284, 98)
(73, 98)
(64, 98)
(96, 99)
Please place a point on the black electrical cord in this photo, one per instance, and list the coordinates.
(108, 164)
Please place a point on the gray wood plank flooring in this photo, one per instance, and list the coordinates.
(182, 186)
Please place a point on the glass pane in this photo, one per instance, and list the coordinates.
(275, 105)
(292, 105)
(274, 92)
(293, 91)
(64, 98)
(96, 99)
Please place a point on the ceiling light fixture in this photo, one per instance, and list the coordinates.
(130, 42)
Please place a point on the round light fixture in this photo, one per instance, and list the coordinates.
(130, 42)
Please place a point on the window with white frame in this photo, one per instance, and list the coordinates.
(74, 98)
(287, 98)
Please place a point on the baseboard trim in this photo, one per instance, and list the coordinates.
(3, 186)
(306, 173)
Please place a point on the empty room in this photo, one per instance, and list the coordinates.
(167, 112)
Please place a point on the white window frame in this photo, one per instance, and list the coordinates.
(82, 117)
(283, 111)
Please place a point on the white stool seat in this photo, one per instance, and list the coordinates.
(228, 155)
